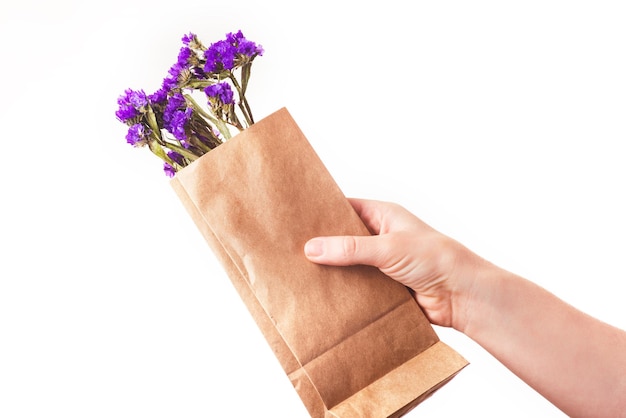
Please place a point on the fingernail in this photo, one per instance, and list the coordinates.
(314, 248)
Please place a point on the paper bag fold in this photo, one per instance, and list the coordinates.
(353, 342)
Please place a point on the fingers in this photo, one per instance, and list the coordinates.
(345, 250)
(371, 212)
(383, 217)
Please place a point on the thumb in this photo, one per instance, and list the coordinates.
(345, 250)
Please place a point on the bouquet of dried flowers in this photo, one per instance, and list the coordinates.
(195, 108)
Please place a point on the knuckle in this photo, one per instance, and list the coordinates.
(350, 247)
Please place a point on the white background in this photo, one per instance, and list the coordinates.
(501, 124)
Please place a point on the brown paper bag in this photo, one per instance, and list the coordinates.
(353, 341)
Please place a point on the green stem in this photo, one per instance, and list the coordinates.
(220, 124)
(151, 119)
(182, 151)
(245, 77)
(203, 147)
(198, 84)
(243, 103)
(197, 141)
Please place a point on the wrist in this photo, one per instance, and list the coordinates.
(473, 291)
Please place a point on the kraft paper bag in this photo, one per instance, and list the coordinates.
(353, 341)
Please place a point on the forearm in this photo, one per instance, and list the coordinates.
(577, 362)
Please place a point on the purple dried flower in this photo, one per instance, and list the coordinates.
(222, 55)
(175, 117)
(169, 170)
(181, 63)
(191, 40)
(244, 46)
(198, 72)
(178, 125)
(137, 98)
(148, 117)
(176, 157)
(137, 135)
(221, 91)
(191, 37)
(175, 102)
(169, 84)
(131, 104)
(159, 96)
(126, 112)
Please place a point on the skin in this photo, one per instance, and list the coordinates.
(574, 360)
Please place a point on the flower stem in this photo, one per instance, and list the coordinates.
(182, 151)
(243, 103)
(220, 124)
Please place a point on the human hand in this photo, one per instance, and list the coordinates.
(536, 335)
(437, 268)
